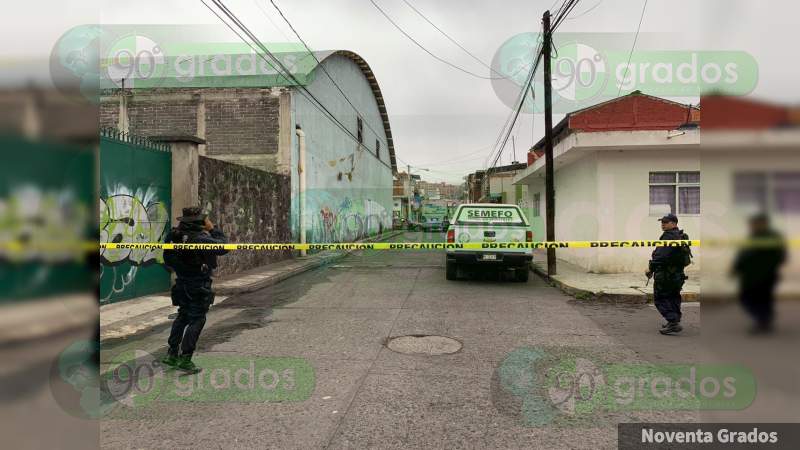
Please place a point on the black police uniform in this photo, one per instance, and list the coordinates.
(192, 292)
(758, 268)
(667, 265)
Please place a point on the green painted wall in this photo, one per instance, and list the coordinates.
(46, 197)
(135, 192)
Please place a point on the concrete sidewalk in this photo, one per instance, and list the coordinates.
(119, 320)
(614, 287)
(40, 318)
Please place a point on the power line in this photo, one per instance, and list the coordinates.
(302, 89)
(460, 157)
(438, 58)
(630, 54)
(264, 11)
(585, 12)
(451, 39)
(319, 64)
(512, 118)
(564, 10)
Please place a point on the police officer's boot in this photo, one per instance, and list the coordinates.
(185, 364)
(172, 359)
(671, 328)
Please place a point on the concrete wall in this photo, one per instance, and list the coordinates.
(723, 217)
(604, 195)
(623, 203)
(576, 209)
(250, 205)
(240, 125)
(502, 184)
(349, 188)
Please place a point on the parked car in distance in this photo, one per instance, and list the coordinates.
(489, 222)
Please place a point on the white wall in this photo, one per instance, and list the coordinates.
(724, 219)
(624, 203)
(349, 189)
(576, 209)
(604, 195)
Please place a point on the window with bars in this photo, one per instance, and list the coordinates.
(674, 192)
(360, 129)
(537, 204)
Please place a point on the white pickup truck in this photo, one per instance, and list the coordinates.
(489, 222)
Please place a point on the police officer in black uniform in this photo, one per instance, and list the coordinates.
(758, 266)
(666, 266)
(192, 292)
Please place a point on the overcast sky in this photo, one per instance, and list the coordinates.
(443, 119)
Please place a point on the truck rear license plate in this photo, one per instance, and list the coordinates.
(489, 257)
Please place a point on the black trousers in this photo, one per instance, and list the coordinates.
(758, 299)
(193, 299)
(667, 294)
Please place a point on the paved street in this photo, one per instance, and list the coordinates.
(339, 317)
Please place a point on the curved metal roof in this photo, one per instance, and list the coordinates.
(376, 92)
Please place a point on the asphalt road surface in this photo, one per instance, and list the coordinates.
(347, 389)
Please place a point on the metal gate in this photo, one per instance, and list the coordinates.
(135, 191)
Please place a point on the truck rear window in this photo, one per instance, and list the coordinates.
(495, 215)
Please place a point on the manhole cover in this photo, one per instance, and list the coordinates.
(424, 345)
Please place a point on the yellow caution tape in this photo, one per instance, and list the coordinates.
(403, 245)
(53, 246)
(48, 246)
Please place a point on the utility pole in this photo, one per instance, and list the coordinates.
(301, 172)
(550, 197)
(408, 215)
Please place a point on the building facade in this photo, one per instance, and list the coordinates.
(619, 166)
(259, 117)
(440, 191)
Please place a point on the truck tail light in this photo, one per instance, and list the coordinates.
(451, 236)
(529, 236)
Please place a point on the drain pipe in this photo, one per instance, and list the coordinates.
(301, 174)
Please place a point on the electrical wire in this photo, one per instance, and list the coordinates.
(562, 12)
(264, 11)
(436, 57)
(302, 89)
(324, 70)
(630, 54)
(451, 39)
(495, 155)
(460, 157)
(585, 12)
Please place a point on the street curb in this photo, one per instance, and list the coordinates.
(582, 294)
(313, 264)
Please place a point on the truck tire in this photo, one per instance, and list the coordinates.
(451, 270)
(521, 274)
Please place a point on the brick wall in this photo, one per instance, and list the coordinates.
(251, 206)
(237, 121)
(242, 125)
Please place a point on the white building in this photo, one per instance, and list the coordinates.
(619, 166)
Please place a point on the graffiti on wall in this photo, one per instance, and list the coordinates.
(348, 221)
(32, 215)
(51, 224)
(130, 216)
